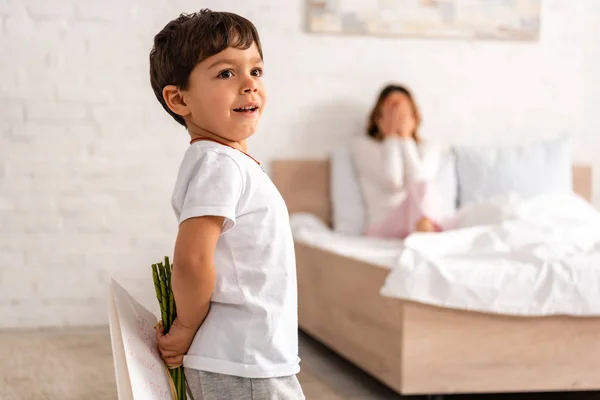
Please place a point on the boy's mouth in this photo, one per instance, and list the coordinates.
(249, 109)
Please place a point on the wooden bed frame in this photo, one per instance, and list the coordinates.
(421, 349)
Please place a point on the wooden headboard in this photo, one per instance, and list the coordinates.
(304, 185)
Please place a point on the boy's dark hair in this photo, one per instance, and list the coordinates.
(190, 39)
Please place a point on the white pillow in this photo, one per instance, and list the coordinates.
(348, 207)
(447, 184)
(527, 170)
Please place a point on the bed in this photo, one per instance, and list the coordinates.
(416, 348)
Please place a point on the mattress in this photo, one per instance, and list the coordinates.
(309, 229)
(521, 257)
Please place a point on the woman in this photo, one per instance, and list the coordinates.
(397, 169)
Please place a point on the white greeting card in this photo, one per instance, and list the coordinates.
(140, 372)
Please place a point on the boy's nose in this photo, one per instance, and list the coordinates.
(250, 89)
(249, 86)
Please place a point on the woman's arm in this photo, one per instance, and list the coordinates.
(380, 162)
(420, 167)
(392, 169)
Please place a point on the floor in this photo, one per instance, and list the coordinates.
(76, 364)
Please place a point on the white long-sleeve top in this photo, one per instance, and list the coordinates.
(384, 168)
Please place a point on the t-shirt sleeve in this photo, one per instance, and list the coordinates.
(214, 188)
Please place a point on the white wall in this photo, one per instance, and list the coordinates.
(88, 157)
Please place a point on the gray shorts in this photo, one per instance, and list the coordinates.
(204, 385)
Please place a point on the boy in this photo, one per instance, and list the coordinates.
(234, 250)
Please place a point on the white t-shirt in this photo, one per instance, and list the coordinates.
(252, 327)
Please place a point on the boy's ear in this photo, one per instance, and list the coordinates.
(175, 100)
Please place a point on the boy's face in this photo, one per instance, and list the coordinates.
(226, 94)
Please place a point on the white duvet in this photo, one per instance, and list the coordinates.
(512, 256)
(309, 229)
(532, 257)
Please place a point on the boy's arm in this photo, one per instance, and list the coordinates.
(193, 281)
(193, 276)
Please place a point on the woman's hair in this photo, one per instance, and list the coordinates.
(373, 129)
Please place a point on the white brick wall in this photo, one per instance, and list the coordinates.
(88, 157)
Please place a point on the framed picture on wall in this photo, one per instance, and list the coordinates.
(456, 19)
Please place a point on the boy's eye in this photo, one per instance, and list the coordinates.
(226, 74)
(257, 72)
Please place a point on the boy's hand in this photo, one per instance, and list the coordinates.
(175, 344)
